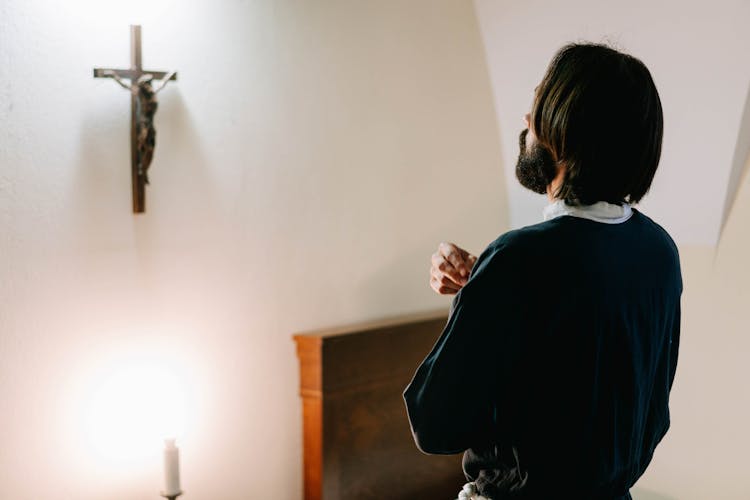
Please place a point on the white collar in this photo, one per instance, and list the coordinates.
(601, 211)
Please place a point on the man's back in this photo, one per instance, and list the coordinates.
(555, 368)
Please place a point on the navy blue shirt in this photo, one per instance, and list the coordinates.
(554, 370)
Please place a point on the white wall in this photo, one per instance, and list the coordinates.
(697, 54)
(308, 160)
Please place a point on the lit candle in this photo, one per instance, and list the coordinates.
(171, 468)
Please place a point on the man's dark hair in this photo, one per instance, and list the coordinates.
(599, 114)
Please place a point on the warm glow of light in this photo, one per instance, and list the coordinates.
(132, 405)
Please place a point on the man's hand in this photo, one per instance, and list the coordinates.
(450, 270)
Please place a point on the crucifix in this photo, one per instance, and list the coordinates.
(143, 87)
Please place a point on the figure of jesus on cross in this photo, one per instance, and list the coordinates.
(143, 106)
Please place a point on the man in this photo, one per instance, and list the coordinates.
(554, 370)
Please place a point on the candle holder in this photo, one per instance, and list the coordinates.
(171, 497)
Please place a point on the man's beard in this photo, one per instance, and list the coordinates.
(536, 169)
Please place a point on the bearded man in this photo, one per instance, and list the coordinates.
(553, 372)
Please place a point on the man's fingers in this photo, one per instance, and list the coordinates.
(442, 266)
(444, 281)
(450, 269)
(454, 255)
(441, 288)
(468, 259)
(440, 263)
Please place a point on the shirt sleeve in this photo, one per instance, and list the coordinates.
(451, 401)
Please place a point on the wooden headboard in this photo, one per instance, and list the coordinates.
(357, 441)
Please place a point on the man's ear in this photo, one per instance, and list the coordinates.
(555, 186)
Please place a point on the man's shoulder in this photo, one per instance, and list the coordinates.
(514, 246)
(529, 236)
(524, 238)
(665, 247)
(657, 230)
(566, 234)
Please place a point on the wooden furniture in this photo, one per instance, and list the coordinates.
(357, 440)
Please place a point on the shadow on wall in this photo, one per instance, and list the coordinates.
(643, 494)
(100, 186)
(740, 160)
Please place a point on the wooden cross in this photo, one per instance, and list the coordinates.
(142, 108)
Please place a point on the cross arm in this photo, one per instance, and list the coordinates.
(130, 74)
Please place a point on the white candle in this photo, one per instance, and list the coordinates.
(171, 468)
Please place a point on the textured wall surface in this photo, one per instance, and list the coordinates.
(308, 161)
